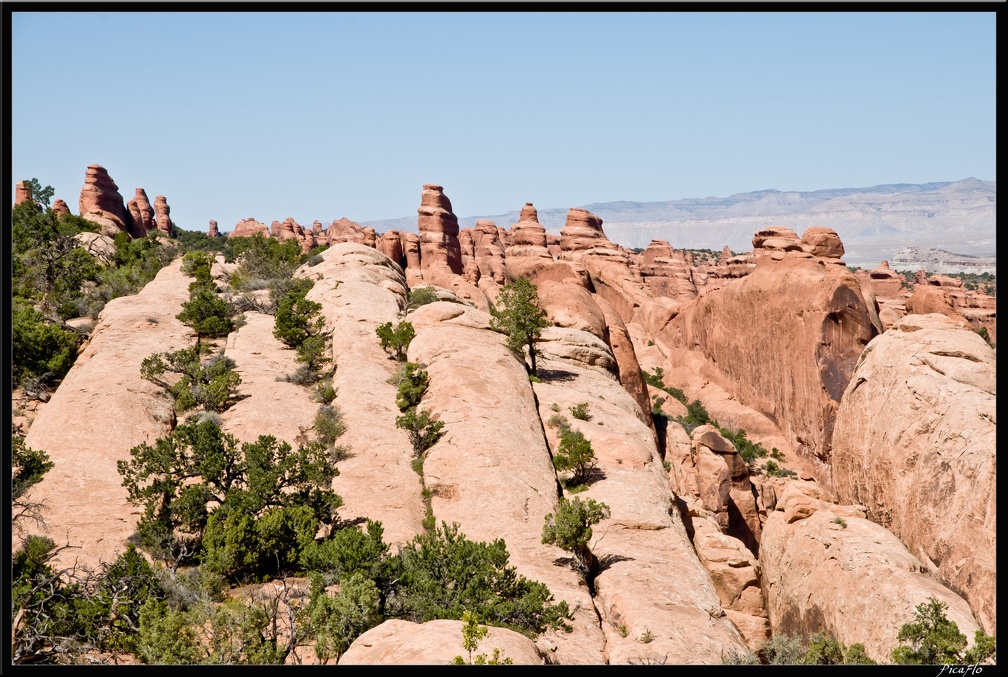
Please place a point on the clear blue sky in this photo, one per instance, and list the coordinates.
(320, 116)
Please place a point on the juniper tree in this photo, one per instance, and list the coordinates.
(518, 315)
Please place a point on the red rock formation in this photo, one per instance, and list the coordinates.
(915, 443)
(162, 214)
(249, 227)
(774, 241)
(141, 211)
(784, 339)
(885, 282)
(725, 255)
(528, 231)
(467, 248)
(928, 299)
(345, 230)
(823, 242)
(390, 245)
(583, 231)
(666, 272)
(21, 192)
(438, 231)
(60, 207)
(101, 202)
(489, 251)
(212, 231)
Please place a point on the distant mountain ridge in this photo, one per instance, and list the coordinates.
(904, 211)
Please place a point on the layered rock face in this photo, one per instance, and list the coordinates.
(102, 409)
(438, 228)
(141, 211)
(583, 231)
(793, 358)
(359, 289)
(101, 202)
(826, 568)
(914, 443)
(666, 272)
(489, 251)
(491, 471)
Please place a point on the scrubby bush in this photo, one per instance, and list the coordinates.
(517, 314)
(571, 530)
(242, 510)
(39, 349)
(420, 296)
(575, 454)
(580, 412)
(395, 340)
(210, 385)
(933, 639)
(423, 431)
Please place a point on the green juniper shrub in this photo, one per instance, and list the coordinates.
(243, 510)
(518, 315)
(411, 382)
(395, 339)
(933, 639)
(420, 296)
(580, 411)
(423, 431)
(39, 348)
(210, 385)
(571, 529)
(575, 454)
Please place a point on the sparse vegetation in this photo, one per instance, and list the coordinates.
(646, 637)
(298, 323)
(472, 634)
(580, 411)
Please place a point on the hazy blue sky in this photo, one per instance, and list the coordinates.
(319, 116)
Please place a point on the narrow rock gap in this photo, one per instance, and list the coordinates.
(589, 582)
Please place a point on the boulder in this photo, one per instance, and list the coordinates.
(398, 642)
(60, 207)
(925, 469)
(927, 299)
(249, 227)
(823, 242)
